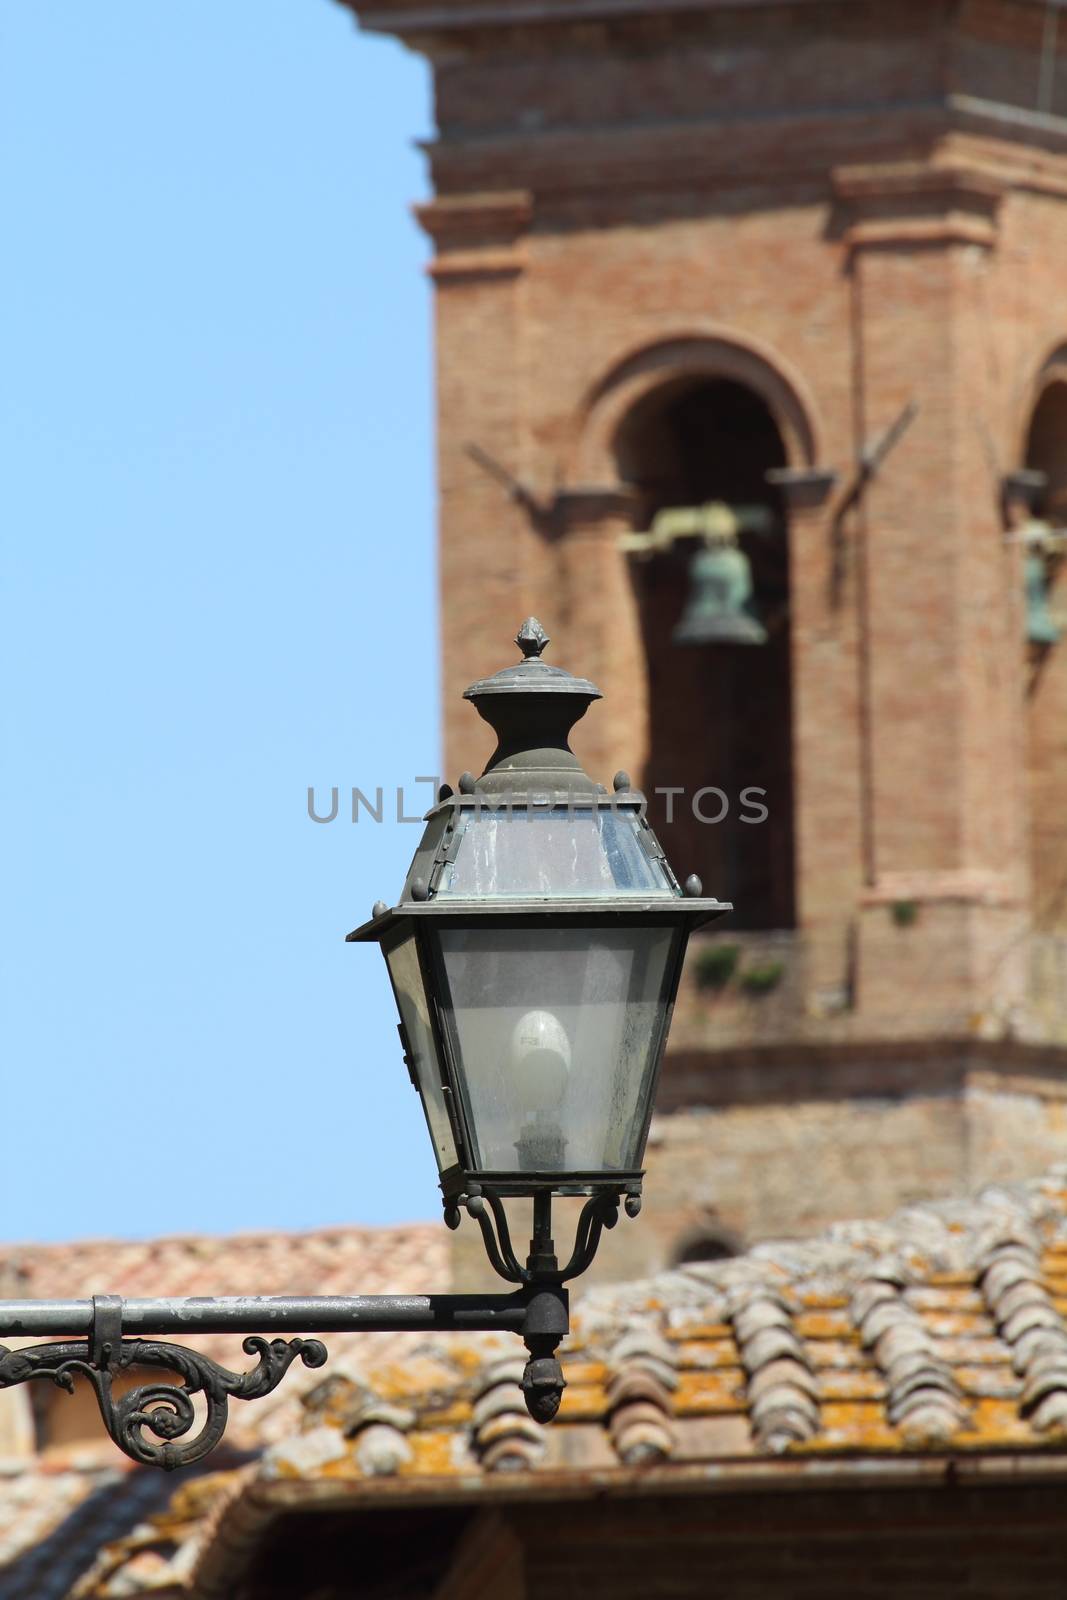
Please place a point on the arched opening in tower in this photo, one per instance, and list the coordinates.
(1046, 452)
(720, 710)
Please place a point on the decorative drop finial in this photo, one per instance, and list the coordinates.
(531, 638)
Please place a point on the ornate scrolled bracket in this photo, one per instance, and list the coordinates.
(165, 1409)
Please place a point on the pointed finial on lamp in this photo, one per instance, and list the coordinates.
(531, 638)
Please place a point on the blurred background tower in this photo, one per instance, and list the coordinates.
(779, 288)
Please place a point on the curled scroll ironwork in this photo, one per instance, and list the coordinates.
(599, 1212)
(164, 1409)
(487, 1208)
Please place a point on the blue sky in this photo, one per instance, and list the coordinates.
(219, 588)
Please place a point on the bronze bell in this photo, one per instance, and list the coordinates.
(1041, 543)
(719, 609)
(1040, 627)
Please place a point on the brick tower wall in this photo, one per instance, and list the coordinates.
(849, 208)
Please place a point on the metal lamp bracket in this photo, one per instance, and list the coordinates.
(163, 1408)
(486, 1206)
(109, 1348)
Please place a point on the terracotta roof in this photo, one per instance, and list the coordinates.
(932, 1343)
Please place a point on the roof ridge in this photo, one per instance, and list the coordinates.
(959, 1226)
(341, 1230)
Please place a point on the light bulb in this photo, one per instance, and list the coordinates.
(540, 1060)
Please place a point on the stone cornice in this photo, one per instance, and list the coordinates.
(492, 217)
(976, 886)
(804, 488)
(857, 1069)
(913, 179)
(918, 202)
(924, 154)
(406, 19)
(424, 23)
(477, 234)
(688, 158)
(954, 196)
(963, 177)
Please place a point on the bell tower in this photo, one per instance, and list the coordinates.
(752, 383)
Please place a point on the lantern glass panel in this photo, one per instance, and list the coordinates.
(405, 970)
(556, 1033)
(562, 852)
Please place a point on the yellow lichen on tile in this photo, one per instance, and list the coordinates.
(999, 1377)
(952, 1299)
(855, 1425)
(582, 1401)
(434, 1454)
(686, 1331)
(837, 1354)
(997, 1422)
(825, 1325)
(281, 1467)
(414, 1376)
(456, 1415)
(345, 1469)
(854, 1385)
(333, 1408)
(467, 1359)
(702, 1393)
(705, 1355)
(821, 1300)
(978, 1351)
(583, 1373)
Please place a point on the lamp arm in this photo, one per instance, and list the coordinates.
(105, 1352)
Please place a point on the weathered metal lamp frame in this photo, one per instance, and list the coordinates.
(478, 1191)
(457, 1182)
(107, 1338)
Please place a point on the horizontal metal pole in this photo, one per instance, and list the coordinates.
(276, 1314)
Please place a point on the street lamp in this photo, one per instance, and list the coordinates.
(534, 955)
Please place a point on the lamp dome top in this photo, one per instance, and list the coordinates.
(532, 675)
(531, 708)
